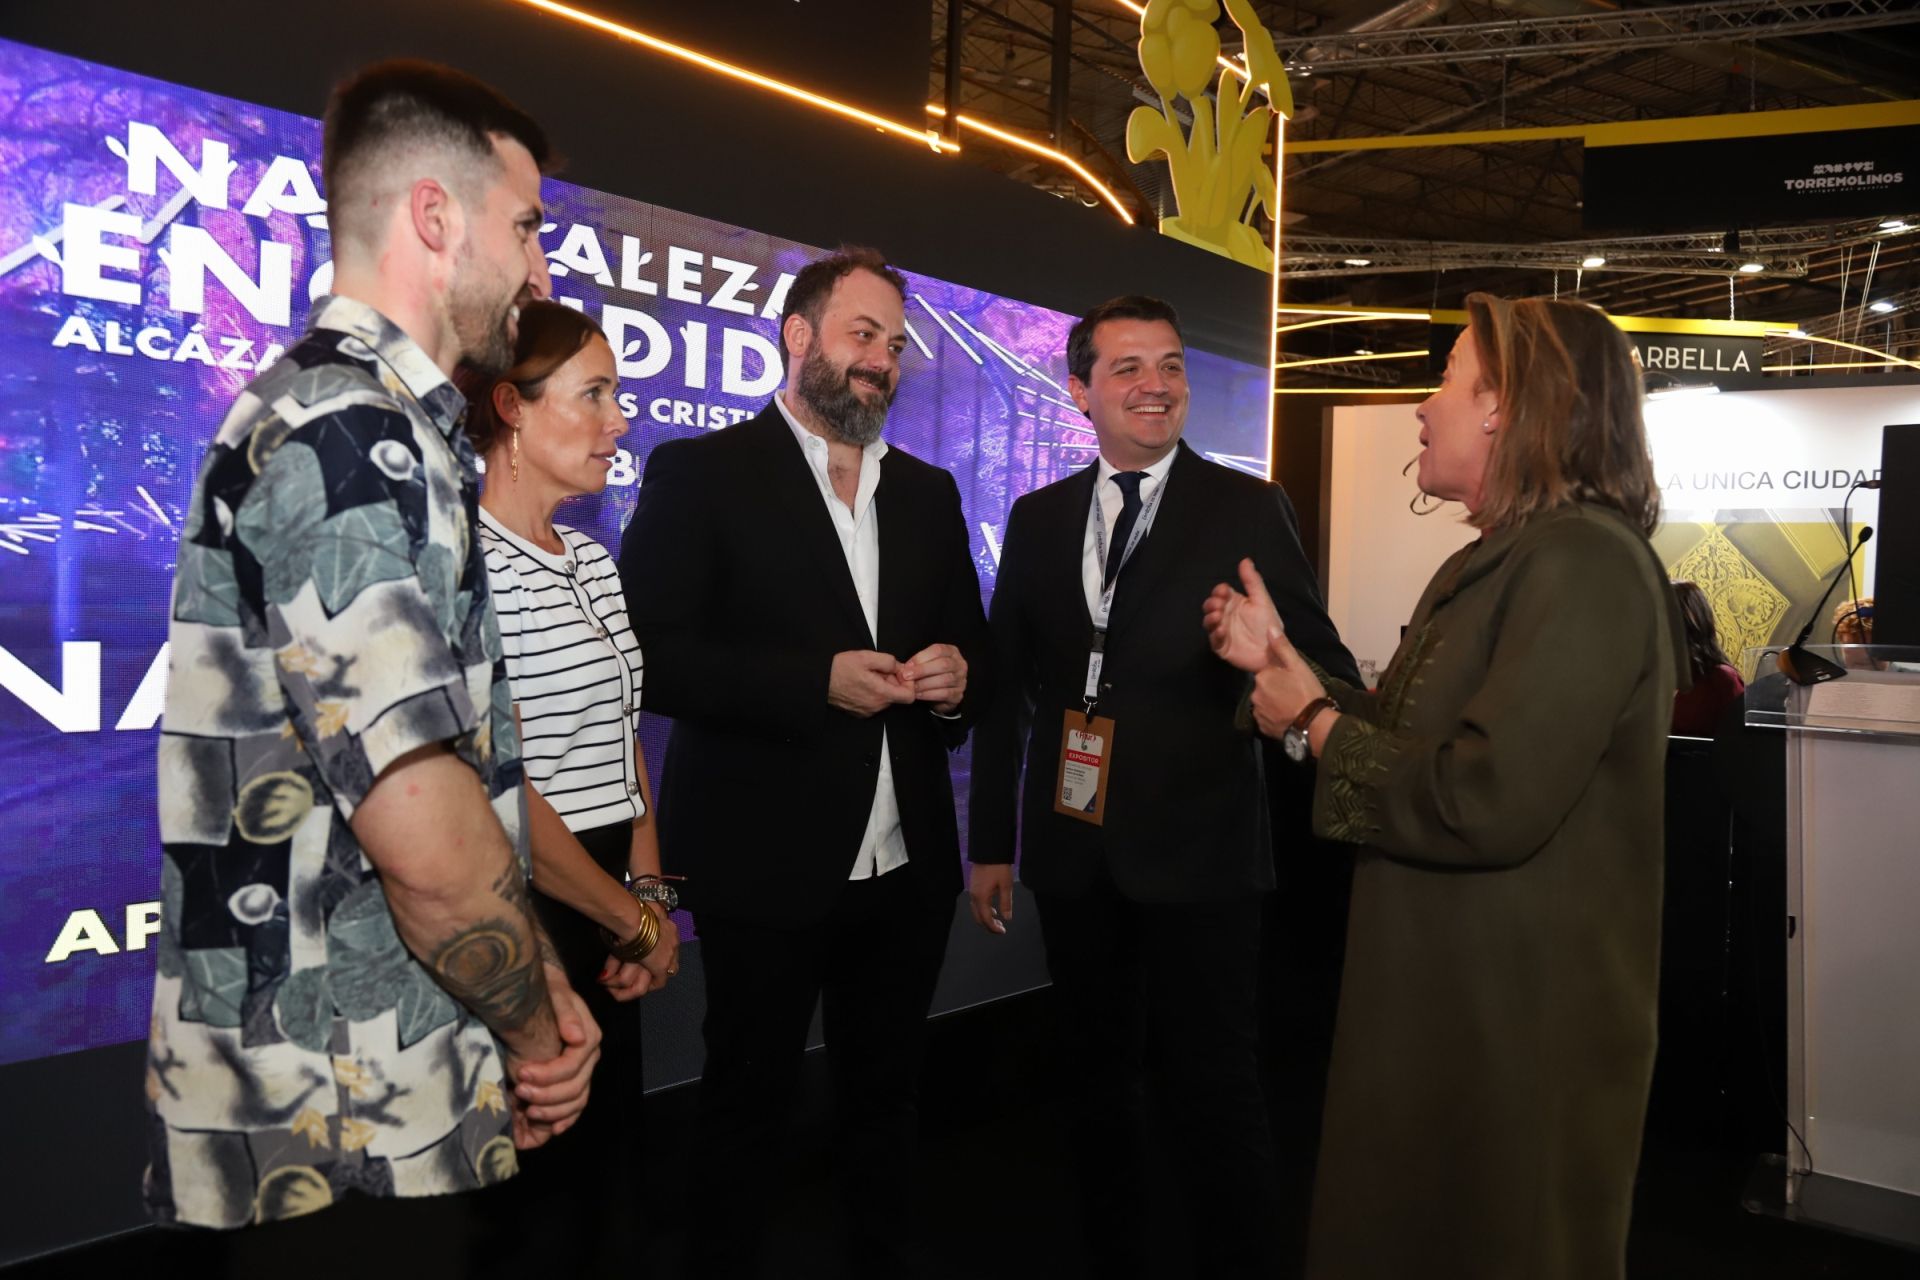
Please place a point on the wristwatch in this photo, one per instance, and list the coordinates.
(1294, 740)
(651, 890)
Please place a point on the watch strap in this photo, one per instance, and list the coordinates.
(1304, 721)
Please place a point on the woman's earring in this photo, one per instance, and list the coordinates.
(514, 450)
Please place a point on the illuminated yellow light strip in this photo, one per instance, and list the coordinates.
(1273, 288)
(1357, 313)
(1712, 328)
(1039, 149)
(1382, 355)
(1845, 364)
(1801, 335)
(1315, 324)
(1631, 324)
(923, 136)
(1745, 124)
(1354, 391)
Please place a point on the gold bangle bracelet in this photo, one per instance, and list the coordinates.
(640, 945)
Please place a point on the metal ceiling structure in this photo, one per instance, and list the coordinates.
(1583, 34)
(1432, 224)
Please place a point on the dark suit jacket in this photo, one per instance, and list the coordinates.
(739, 592)
(1186, 817)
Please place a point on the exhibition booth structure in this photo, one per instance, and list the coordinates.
(163, 236)
(1853, 957)
(1754, 486)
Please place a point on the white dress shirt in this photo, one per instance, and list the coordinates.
(883, 847)
(1093, 573)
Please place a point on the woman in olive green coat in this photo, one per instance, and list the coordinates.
(1503, 790)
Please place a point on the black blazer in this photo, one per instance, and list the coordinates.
(739, 592)
(1186, 817)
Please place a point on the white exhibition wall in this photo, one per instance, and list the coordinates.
(1751, 482)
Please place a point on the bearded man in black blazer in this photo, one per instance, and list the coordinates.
(1144, 826)
(807, 604)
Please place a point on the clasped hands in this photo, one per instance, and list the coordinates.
(1245, 630)
(864, 683)
(548, 1094)
(630, 979)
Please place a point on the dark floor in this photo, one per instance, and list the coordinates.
(993, 1172)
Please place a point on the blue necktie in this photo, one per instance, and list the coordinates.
(1129, 482)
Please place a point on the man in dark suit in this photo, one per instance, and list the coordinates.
(1144, 824)
(811, 620)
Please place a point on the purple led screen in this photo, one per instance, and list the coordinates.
(158, 245)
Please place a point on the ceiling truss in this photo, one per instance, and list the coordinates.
(1589, 33)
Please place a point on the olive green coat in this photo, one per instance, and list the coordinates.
(1496, 1027)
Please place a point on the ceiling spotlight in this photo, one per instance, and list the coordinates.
(1752, 266)
(1359, 262)
(1893, 224)
(1591, 261)
(1881, 307)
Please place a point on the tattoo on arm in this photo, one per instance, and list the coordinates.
(511, 885)
(493, 965)
(490, 968)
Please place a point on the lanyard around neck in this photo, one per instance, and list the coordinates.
(1103, 609)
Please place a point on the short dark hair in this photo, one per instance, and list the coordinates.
(1133, 306)
(550, 334)
(807, 295)
(406, 101)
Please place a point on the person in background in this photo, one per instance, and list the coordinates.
(548, 429)
(1716, 681)
(1503, 792)
(351, 995)
(1853, 621)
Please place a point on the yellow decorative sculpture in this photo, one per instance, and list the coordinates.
(1218, 170)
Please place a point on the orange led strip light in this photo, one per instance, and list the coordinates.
(1040, 149)
(924, 137)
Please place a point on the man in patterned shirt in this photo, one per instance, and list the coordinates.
(351, 993)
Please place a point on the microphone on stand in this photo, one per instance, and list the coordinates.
(1801, 665)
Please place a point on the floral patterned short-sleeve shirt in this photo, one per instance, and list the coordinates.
(330, 614)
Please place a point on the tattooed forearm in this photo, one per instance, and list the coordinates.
(459, 896)
(511, 884)
(548, 955)
(493, 968)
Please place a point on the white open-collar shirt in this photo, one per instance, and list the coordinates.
(883, 847)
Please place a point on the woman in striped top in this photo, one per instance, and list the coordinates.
(547, 429)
